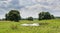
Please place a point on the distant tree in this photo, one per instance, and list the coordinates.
(30, 18)
(13, 15)
(52, 16)
(45, 15)
(6, 17)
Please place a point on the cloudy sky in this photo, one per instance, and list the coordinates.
(30, 7)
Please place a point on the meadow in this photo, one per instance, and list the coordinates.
(51, 26)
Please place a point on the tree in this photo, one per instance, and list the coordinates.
(45, 15)
(6, 17)
(13, 15)
(41, 15)
(52, 16)
(30, 18)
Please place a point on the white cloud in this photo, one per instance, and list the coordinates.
(30, 7)
(32, 10)
(35, 9)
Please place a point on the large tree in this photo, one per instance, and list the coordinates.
(41, 15)
(45, 15)
(13, 15)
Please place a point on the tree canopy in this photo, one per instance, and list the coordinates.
(45, 15)
(13, 15)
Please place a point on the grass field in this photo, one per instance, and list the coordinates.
(52, 26)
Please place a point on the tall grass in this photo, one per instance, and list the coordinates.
(46, 26)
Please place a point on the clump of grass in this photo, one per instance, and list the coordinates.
(14, 27)
(43, 23)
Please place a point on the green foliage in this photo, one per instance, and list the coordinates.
(13, 15)
(45, 15)
(52, 16)
(30, 18)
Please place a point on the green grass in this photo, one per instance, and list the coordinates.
(53, 26)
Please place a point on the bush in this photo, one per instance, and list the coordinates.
(30, 18)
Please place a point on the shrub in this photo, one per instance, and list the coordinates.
(30, 18)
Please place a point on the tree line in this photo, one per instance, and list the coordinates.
(14, 15)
